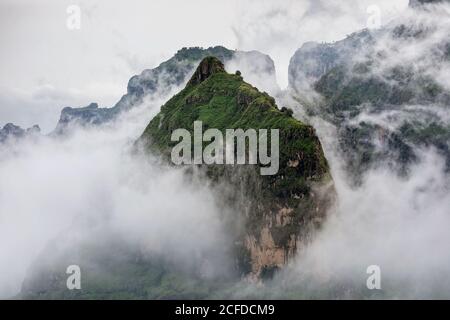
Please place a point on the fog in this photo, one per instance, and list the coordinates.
(61, 189)
(118, 39)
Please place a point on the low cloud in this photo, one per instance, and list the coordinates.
(55, 189)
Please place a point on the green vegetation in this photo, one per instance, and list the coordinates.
(224, 101)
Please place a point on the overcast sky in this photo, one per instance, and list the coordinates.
(45, 66)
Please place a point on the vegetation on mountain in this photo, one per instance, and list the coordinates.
(224, 101)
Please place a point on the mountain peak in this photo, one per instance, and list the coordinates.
(223, 101)
(207, 67)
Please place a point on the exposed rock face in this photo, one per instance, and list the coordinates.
(275, 214)
(11, 131)
(163, 79)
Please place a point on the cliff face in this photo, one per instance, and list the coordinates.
(275, 213)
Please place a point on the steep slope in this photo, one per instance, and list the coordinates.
(167, 76)
(276, 213)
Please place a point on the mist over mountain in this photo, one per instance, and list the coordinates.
(363, 177)
(167, 76)
(11, 131)
(422, 3)
(265, 219)
(385, 90)
(277, 212)
(87, 130)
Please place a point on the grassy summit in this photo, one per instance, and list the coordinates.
(279, 210)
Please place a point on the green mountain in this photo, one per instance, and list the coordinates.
(276, 212)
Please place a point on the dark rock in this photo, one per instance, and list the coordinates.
(207, 67)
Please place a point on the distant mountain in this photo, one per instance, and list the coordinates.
(418, 3)
(168, 76)
(11, 131)
(383, 89)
